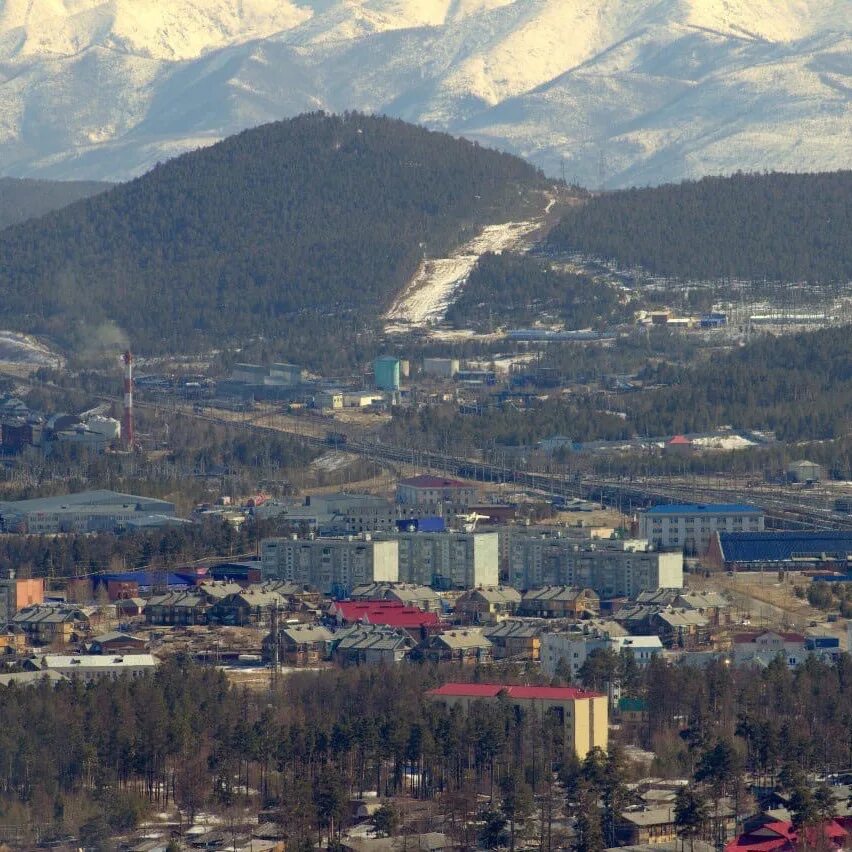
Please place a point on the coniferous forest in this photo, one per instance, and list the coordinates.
(22, 198)
(95, 759)
(781, 227)
(298, 231)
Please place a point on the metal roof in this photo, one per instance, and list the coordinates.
(529, 693)
(783, 546)
(704, 509)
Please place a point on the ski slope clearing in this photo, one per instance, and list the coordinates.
(425, 300)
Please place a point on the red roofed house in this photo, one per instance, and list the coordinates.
(584, 715)
(434, 491)
(762, 648)
(679, 446)
(783, 837)
(386, 613)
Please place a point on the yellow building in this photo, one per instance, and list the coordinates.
(584, 715)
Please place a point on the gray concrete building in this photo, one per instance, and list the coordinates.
(690, 527)
(607, 568)
(334, 566)
(86, 511)
(448, 560)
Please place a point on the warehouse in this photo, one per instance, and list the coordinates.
(781, 550)
(87, 511)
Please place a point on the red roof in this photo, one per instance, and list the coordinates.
(389, 613)
(785, 837)
(426, 481)
(745, 638)
(679, 440)
(492, 690)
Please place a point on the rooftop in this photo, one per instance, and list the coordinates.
(85, 499)
(529, 693)
(704, 509)
(426, 481)
(781, 546)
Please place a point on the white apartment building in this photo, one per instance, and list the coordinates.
(448, 560)
(334, 566)
(690, 527)
(611, 568)
(574, 648)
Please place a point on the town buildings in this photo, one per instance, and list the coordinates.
(87, 511)
(780, 550)
(559, 602)
(16, 594)
(584, 715)
(90, 667)
(435, 492)
(448, 560)
(487, 604)
(690, 527)
(571, 648)
(334, 566)
(610, 568)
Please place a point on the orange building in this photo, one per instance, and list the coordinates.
(17, 594)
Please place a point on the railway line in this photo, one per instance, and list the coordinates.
(782, 511)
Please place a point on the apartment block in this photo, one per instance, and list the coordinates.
(447, 560)
(333, 566)
(611, 569)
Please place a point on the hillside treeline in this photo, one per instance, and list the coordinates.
(517, 290)
(95, 758)
(799, 386)
(298, 232)
(22, 199)
(783, 227)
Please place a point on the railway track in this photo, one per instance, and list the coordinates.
(781, 512)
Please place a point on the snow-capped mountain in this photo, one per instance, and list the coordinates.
(602, 91)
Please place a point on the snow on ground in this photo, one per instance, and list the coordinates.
(426, 298)
(24, 350)
(332, 461)
(727, 442)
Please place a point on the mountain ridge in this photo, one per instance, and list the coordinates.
(658, 89)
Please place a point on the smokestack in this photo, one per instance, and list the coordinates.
(127, 420)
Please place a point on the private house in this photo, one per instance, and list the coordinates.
(300, 645)
(560, 602)
(408, 594)
(584, 715)
(177, 609)
(467, 647)
(515, 640)
(762, 648)
(681, 628)
(116, 642)
(45, 624)
(252, 606)
(487, 604)
(770, 835)
(371, 644)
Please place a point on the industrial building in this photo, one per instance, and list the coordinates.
(334, 566)
(89, 667)
(434, 492)
(340, 514)
(690, 527)
(781, 550)
(611, 569)
(87, 511)
(441, 368)
(386, 373)
(584, 715)
(448, 560)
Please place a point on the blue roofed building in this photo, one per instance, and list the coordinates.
(691, 526)
(782, 549)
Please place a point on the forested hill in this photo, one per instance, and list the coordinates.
(22, 199)
(299, 231)
(784, 227)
